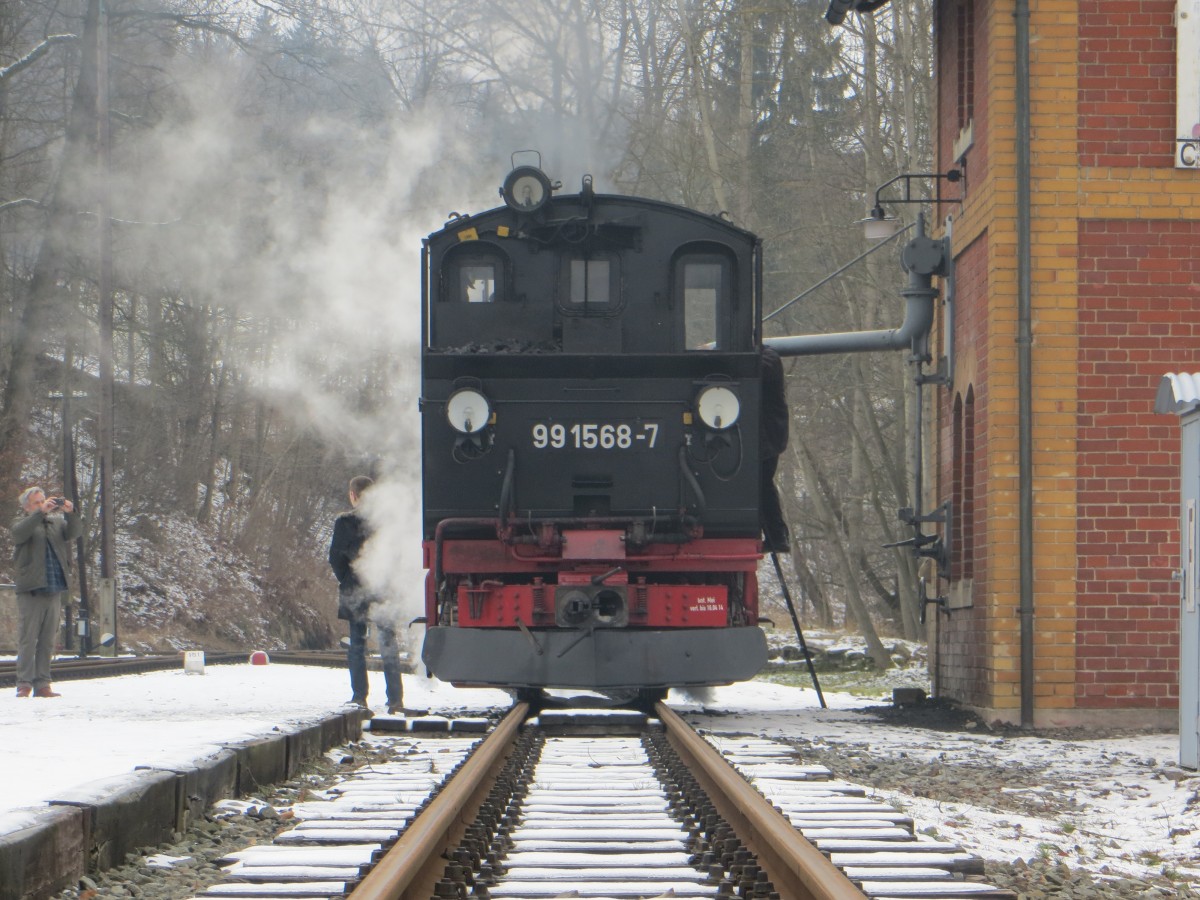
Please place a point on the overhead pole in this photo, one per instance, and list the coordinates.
(1024, 363)
(71, 492)
(105, 288)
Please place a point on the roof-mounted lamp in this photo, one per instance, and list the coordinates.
(527, 188)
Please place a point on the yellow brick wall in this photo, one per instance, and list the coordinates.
(1063, 193)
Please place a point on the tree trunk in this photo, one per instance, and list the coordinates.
(45, 311)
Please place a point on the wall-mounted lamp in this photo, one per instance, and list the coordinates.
(879, 224)
(839, 8)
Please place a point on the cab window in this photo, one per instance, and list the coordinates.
(589, 285)
(590, 281)
(703, 285)
(477, 283)
(474, 273)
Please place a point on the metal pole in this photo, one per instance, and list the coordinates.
(105, 353)
(68, 479)
(1024, 363)
(71, 492)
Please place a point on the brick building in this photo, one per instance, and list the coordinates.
(1103, 252)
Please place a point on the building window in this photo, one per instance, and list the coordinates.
(963, 487)
(956, 488)
(965, 34)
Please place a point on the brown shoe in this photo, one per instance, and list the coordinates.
(24, 690)
(45, 691)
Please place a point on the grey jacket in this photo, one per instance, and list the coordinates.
(30, 531)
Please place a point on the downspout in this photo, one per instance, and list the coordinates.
(1024, 361)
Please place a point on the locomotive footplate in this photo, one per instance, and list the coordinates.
(599, 658)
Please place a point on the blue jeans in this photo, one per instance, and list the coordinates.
(356, 659)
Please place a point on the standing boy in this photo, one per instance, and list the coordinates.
(355, 603)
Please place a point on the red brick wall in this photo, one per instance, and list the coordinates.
(1126, 83)
(964, 669)
(1138, 320)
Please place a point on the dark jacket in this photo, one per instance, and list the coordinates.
(30, 532)
(349, 534)
(776, 415)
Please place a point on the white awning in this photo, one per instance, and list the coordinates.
(1178, 393)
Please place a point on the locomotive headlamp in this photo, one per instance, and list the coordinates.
(718, 407)
(468, 411)
(526, 189)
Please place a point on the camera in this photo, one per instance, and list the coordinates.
(58, 502)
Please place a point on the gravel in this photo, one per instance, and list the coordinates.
(950, 781)
(187, 865)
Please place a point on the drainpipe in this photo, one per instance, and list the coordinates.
(1024, 361)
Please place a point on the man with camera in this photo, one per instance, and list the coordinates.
(42, 533)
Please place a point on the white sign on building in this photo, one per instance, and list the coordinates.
(1187, 84)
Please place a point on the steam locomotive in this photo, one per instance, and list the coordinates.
(590, 403)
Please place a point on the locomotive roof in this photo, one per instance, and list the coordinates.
(578, 204)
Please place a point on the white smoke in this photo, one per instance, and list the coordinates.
(327, 253)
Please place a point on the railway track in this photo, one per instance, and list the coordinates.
(106, 667)
(599, 805)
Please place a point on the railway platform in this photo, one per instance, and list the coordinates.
(123, 762)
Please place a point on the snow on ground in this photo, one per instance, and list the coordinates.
(1115, 802)
(108, 726)
(1110, 805)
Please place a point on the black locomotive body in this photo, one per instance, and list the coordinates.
(590, 444)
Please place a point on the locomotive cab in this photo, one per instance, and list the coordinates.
(590, 413)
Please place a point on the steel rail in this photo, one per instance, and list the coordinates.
(798, 870)
(414, 864)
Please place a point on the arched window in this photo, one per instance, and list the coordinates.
(956, 489)
(704, 297)
(478, 305)
(967, 516)
(963, 487)
(474, 274)
(965, 45)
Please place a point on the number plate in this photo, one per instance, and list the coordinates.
(628, 435)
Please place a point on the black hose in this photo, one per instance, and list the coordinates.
(701, 502)
(506, 489)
